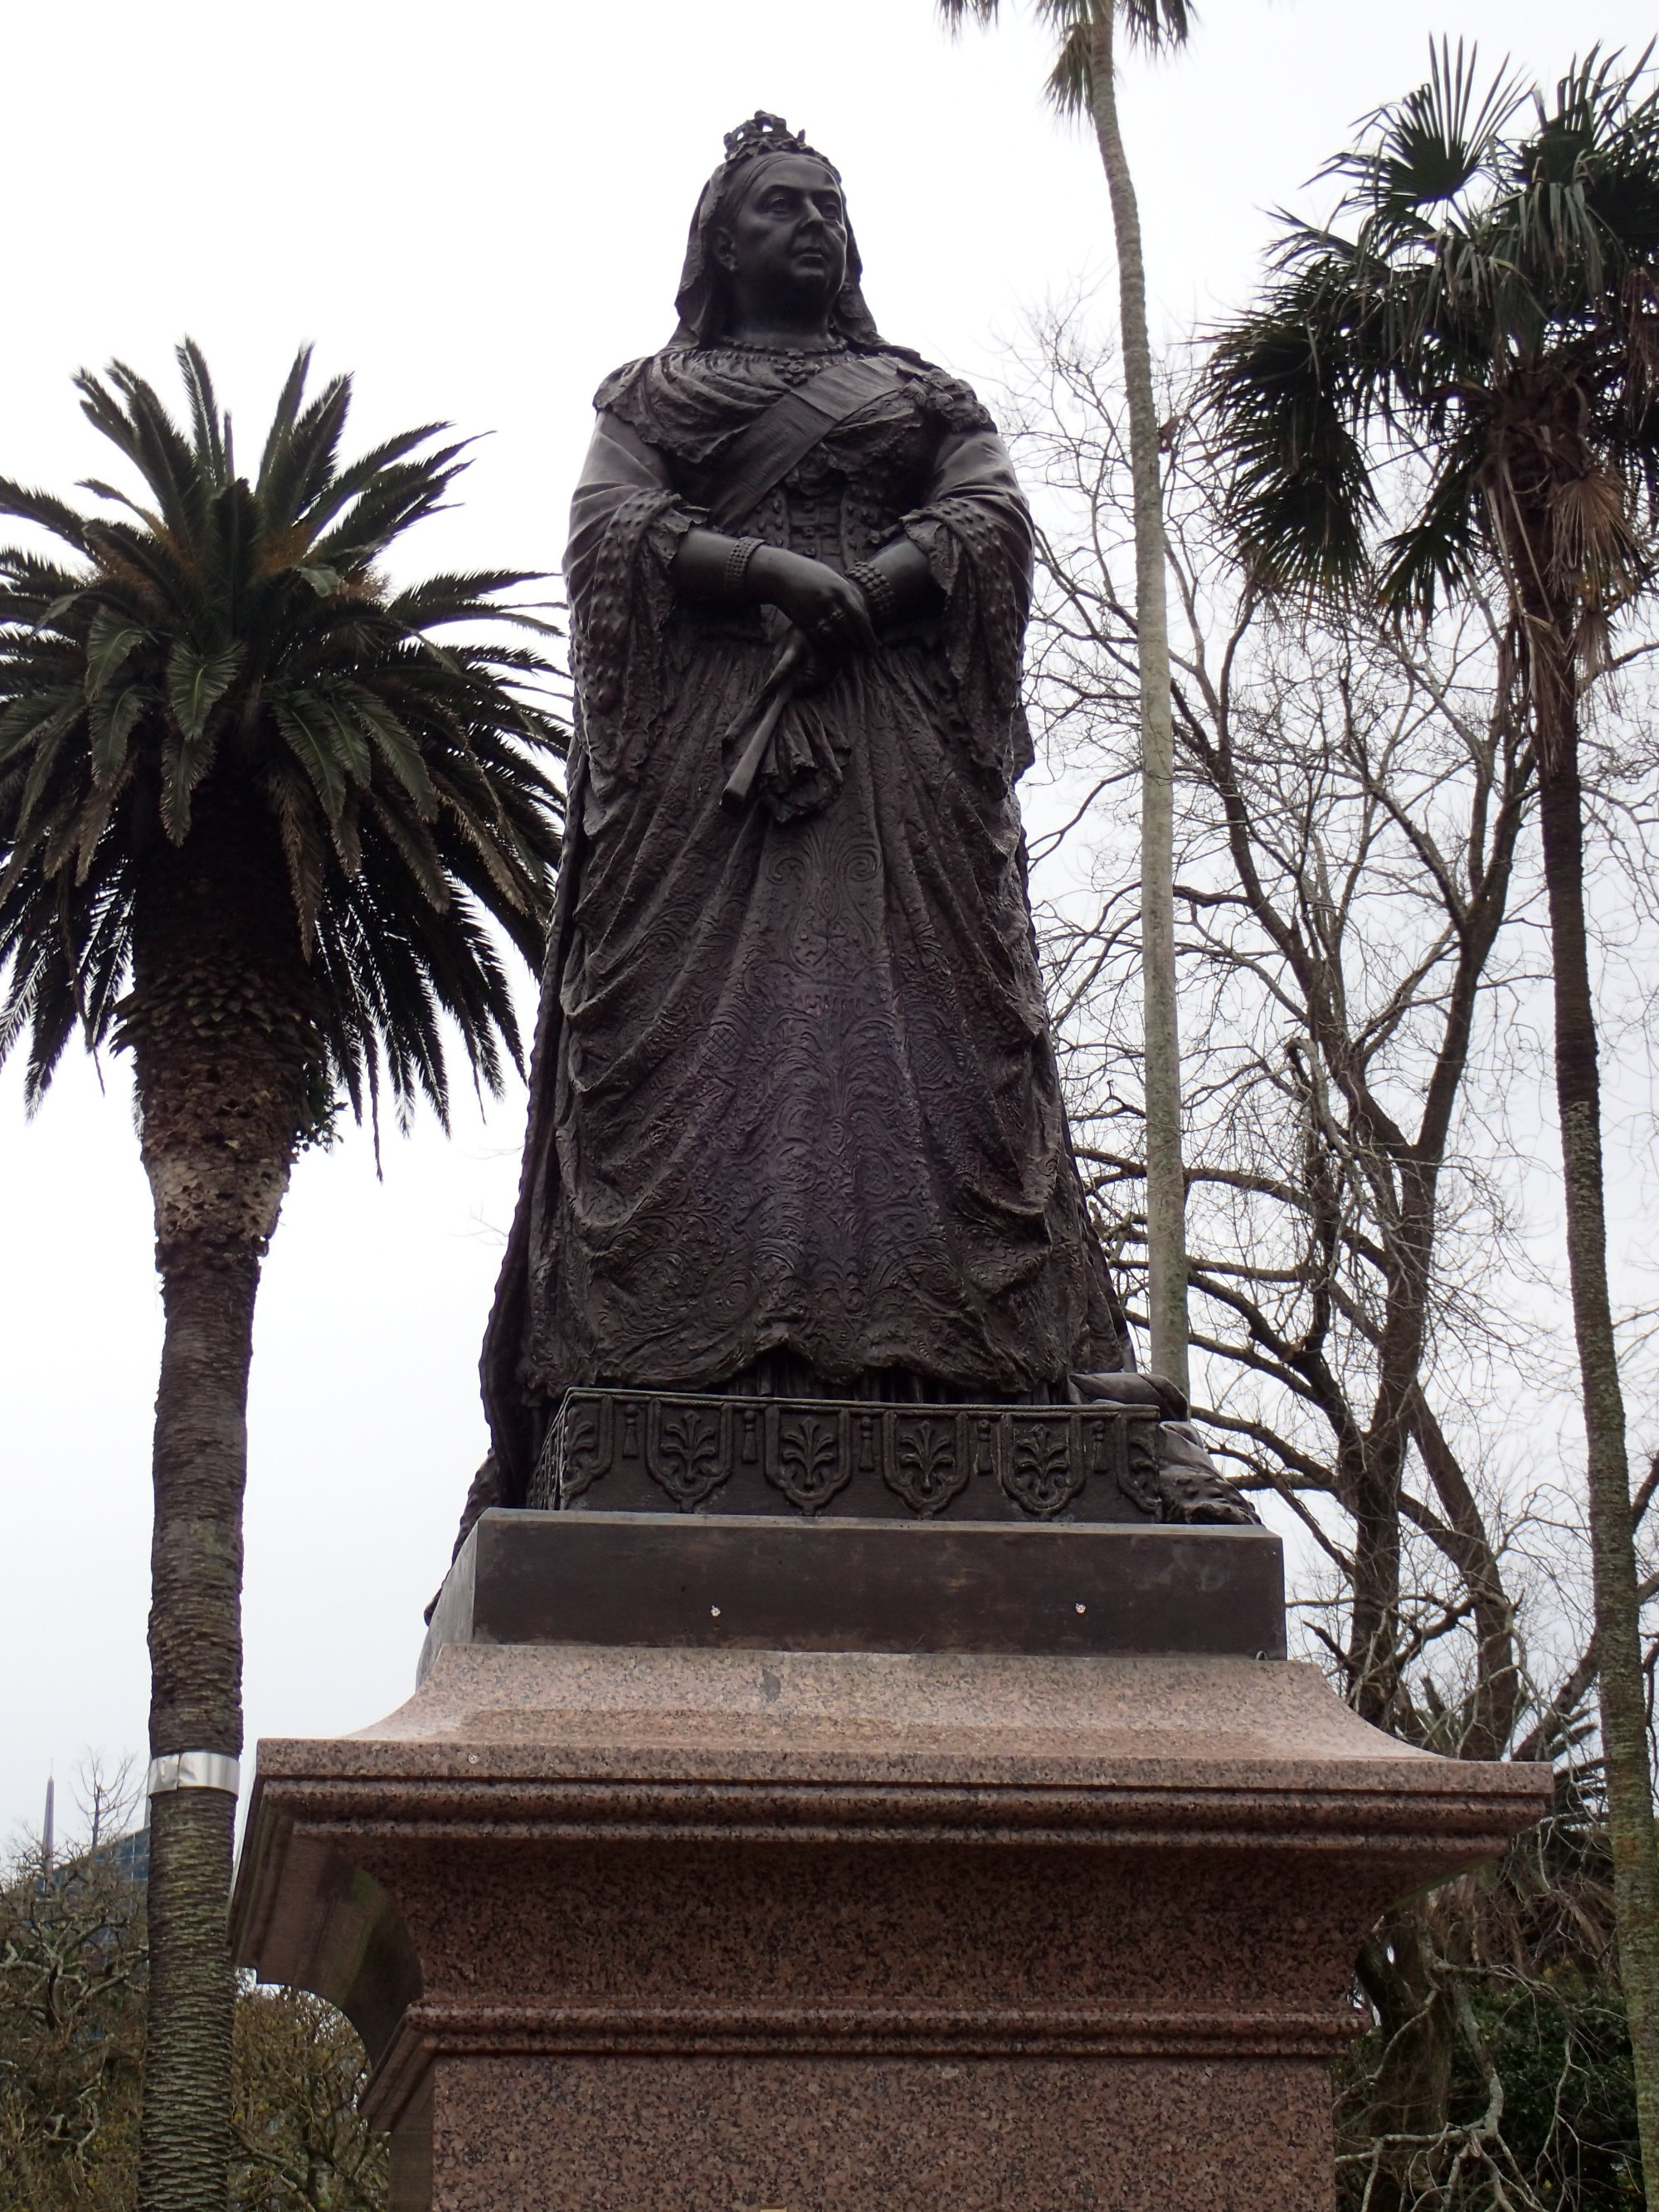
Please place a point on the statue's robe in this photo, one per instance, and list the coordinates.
(795, 1115)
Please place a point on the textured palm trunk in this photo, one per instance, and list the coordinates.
(217, 1025)
(200, 1459)
(1166, 1187)
(1613, 1552)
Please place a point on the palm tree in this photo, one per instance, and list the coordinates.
(255, 821)
(1465, 365)
(1084, 82)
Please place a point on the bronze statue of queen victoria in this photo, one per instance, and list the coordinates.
(796, 1128)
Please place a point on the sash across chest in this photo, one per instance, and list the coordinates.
(763, 453)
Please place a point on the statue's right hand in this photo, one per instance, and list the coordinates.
(826, 606)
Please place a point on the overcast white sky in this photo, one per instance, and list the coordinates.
(478, 212)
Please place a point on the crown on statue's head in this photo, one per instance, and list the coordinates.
(765, 134)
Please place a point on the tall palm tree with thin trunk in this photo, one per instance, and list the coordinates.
(1459, 377)
(259, 810)
(1084, 82)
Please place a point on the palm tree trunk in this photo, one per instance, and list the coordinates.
(1618, 1625)
(196, 1660)
(222, 1045)
(1166, 1187)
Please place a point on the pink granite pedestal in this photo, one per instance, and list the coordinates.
(716, 1931)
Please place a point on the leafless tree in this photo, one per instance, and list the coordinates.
(74, 1967)
(1356, 898)
(301, 2142)
(72, 1975)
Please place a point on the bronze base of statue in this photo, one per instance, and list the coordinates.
(644, 1450)
(639, 1451)
(759, 1582)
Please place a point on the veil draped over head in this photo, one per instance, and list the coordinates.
(701, 298)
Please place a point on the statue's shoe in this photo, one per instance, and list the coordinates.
(1185, 1486)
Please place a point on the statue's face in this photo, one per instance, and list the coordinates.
(788, 240)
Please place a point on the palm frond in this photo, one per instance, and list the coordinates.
(130, 413)
(231, 640)
(1301, 496)
(52, 514)
(207, 427)
(1425, 152)
(1150, 23)
(1480, 323)
(1443, 548)
(1155, 24)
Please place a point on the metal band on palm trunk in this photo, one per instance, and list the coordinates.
(193, 1770)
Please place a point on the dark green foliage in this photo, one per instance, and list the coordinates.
(1562, 2050)
(1498, 2073)
(73, 1970)
(1483, 308)
(1564, 2134)
(225, 635)
(72, 1973)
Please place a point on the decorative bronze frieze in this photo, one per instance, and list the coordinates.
(643, 1451)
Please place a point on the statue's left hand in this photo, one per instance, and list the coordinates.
(825, 606)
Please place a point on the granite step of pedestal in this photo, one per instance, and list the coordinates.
(755, 1582)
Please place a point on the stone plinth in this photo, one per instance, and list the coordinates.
(709, 1930)
(752, 1583)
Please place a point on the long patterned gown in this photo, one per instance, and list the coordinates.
(795, 1114)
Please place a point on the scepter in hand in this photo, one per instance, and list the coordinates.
(807, 660)
(795, 667)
